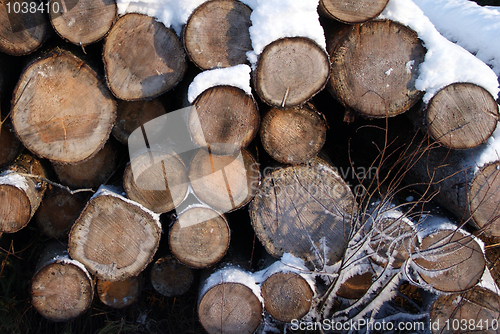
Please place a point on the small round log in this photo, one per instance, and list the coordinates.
(356, 286)
(294, 135)
(199, 238)
(351, 11)
(216, 34)
(224, 120)
(129, 77)
(119, 294)
(290, 71)
(171, 278)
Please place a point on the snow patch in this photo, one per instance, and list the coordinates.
(13, 179)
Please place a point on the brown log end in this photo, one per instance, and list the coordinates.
(114, 238)
(484, 199)
(171, 278)
(129, 77)
(234, 303)
(304, 210)
(20, 33)
(199, 237)
(160, 186)
(216, 34)
(293, 136)
(374, 68)
(82, 22)
(352, 11)
(356, 286)
(61, 110)
(462, 115)
(287, 296)
(9, 145)
(225, 119)
(450, 261)
(119, 294)
(290, 71)
(224, 182)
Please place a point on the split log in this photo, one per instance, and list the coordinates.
(229, 302)
(131, 115)
(305, 210)
(82, 22)
(224, 119)
(158, 181)
(61, 110)
(58, 211)
(478, 307)
(294, 135)
(115, 238)
(461, 115)
(91, 173)
(199, 237)
(171, 278)
(128, 76)
(226, 182)
(9, 145)
(290, 71)
(61, 288)
(119, 294)
(374, 67)
(22, 33)
(216, 34)
(20, 193)
(351, 11)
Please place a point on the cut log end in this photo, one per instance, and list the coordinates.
(484, 199)
(287, 296)
(9, 145)
(356, 286)
(462, 115)
(119, 294)
(170, 278)
(290, 71)
(352, 11)
(15, 211)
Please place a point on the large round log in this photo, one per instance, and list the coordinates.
(216, 34)
(374, 68)
(61, 110)
(352, 11)
(129, 77)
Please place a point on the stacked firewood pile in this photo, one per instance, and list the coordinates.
(273, 170)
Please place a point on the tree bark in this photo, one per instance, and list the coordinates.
(290, 71)
(216, 34)
(351, 11)
(293, 136)
(82, 22)
(171, 278)
(119, 294)
(374, 68)
(199, 237)
(305, 210)
(21, 34)
(20, 193)
(115, 238)
(129, 77)
(9, 145)
(61, 288)
(224, 120)
(61, 110)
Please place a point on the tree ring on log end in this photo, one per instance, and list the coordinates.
(352, 11)
(15, 211)
(484, 199)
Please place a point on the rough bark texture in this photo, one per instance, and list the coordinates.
(82, 22)
(224, 182)
(199, 237)
(290, 71)
(293, 136)
(352, 11)
(20, 33)
(129, 77)
(225, 120)
(171, 278)
(9, 145)
(216, 34)
(61, 110)
(374, 68)
(114, 238)
(119, 294)
(305, 210)
(462, 115)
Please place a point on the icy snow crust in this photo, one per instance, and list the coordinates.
(14, 179)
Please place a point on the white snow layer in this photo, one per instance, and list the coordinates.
(237, 76)
(445, 62)
(13, 179)
(475, 28)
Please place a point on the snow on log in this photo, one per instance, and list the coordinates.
(293, 135)
(9, 144)
(20, 193)
(114, 237)
(171, 278)
(62, 110)
(128, 76)
(119, 294)
(351, 11)
(82, 22)
(61, 288)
